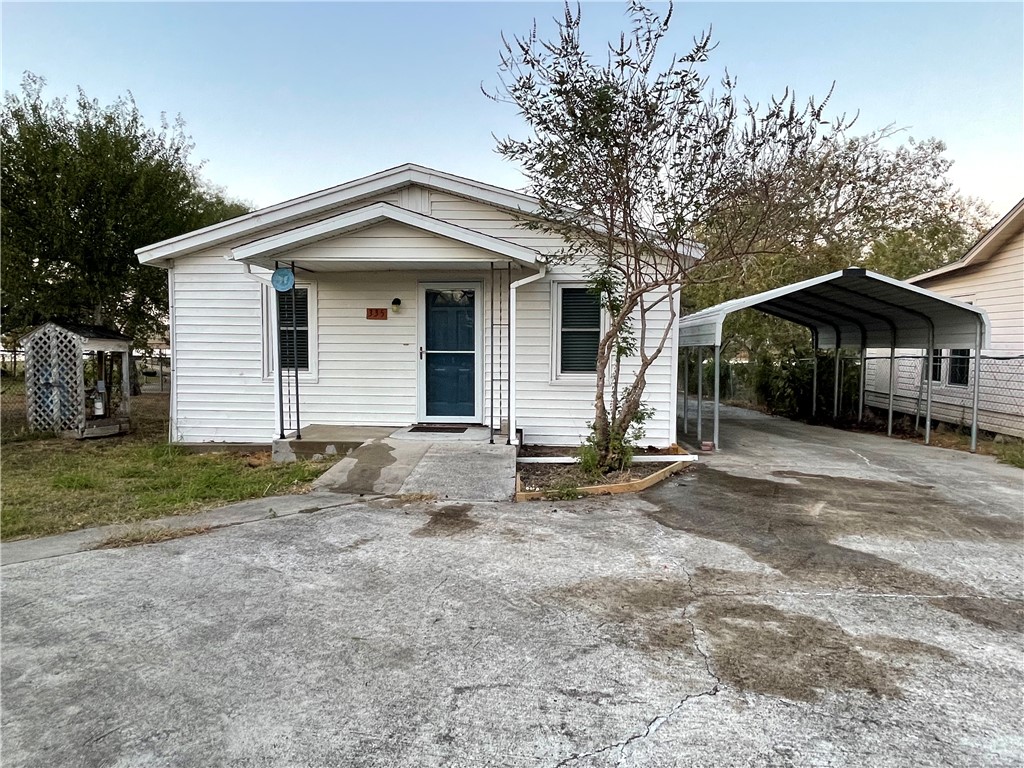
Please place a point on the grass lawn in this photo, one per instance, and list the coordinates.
(53, 485)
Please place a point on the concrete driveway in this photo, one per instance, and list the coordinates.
(857, 604)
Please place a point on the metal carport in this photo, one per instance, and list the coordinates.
(850, 309)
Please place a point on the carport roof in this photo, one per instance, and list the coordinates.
(853, 307)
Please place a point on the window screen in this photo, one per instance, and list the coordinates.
(936, 365)
(294, 328)
(580, 331)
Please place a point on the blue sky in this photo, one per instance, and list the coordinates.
(284, 99)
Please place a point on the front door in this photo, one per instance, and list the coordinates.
(449, 353)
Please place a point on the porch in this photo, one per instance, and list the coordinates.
(450, 463)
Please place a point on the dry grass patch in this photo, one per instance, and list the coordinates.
(136, 537)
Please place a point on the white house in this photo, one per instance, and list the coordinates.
(417, 299)
(990, 276)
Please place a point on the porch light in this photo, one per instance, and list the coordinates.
(395, 304)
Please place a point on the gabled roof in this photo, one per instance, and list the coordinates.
(274, 246)
(250, 225)
(987, 245)
(852, 307)
(93, 337)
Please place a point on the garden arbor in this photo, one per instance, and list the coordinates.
(849, 309)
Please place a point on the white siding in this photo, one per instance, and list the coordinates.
(997, 286)
(556, 411)
(367, 371)
(217, 355)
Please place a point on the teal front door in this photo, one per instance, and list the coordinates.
(450, 354)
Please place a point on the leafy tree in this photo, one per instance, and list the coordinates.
(892, 211)
(81, 189)
(633, 164)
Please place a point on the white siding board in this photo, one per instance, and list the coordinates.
(367, 371)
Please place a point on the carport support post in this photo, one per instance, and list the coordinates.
(686, 391)
(860, 396)
(977, 387)
(835, 385)
(700, 394)
(928, 389)
(718, 365)
(814, 377)
(892, 381)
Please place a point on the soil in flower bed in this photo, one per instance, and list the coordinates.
(530, 451)
(537, 477)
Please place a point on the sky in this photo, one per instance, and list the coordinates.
(283, 99)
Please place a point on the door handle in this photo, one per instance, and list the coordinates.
(421, 353)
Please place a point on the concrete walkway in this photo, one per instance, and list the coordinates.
(444, 470)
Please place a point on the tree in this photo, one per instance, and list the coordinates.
(892, 211)
(81, 189)
(633, 165)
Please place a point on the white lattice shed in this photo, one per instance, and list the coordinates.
(55, 380)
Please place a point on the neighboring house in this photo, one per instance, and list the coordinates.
(418, 299)
(990, 276)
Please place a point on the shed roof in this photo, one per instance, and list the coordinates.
(94, 337)
(852, 307)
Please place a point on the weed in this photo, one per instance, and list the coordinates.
(1011, 453)
(563, 492)
(138, 536)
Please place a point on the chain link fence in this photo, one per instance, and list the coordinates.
(153, 377)
(786, 388)
(13, 414)
(952, 377)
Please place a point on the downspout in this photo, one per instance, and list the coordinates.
(275, 341)
(512, 290)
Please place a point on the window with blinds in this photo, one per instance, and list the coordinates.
(294, 329)
(579, 330)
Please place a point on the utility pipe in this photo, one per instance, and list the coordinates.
(512, 292)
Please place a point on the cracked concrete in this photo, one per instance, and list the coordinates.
(780, 622)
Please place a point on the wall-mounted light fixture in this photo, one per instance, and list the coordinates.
(396, 304)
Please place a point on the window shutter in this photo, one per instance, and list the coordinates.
(294, 329)
(580, 330)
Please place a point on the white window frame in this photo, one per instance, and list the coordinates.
(268, 312)
(557, 375)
